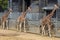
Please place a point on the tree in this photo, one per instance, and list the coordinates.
(3, 4)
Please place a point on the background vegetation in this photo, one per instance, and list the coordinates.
(3, 5)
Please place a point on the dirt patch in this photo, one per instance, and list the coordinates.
(12, 38)
(14, 35)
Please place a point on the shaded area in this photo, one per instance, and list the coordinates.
(9, 33)
(1, 34)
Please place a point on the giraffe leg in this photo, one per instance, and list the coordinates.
(0, 21)
(20, 27)
(24, 27)
(49, 30)
(3, 25)
(7, 24)
(17, 27)
(43, 30)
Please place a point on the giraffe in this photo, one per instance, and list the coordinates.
(5, 17)
(47, 21)
(21, 19)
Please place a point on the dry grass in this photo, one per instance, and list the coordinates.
(12, 38)
(14, 35)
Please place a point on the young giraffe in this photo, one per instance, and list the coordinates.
(47, 21)
(21, 19)
(5, 17)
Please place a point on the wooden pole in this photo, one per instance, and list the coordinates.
(23, 6)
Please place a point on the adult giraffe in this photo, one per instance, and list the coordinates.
(21, 19)
(47, 21)
(5, 18)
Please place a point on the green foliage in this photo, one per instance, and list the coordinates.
(4, 4)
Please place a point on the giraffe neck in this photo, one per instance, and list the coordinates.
(24, 14)
(5, 16)
(7, 13)
(52, 13)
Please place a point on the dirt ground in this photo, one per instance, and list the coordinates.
(14, 35)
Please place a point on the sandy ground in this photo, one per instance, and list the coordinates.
(14, 35)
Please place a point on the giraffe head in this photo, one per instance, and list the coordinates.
(10, 10)
(56, 6)
(29, 8)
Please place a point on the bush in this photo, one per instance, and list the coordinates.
(3, 4)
